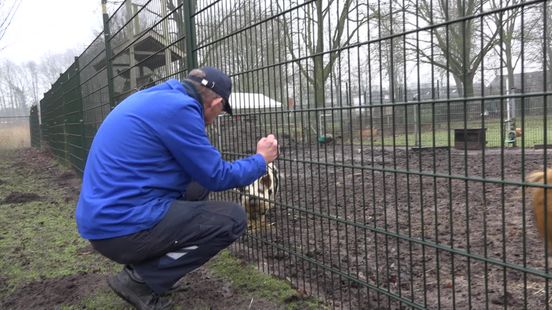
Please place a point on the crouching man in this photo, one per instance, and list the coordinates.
(146, 182)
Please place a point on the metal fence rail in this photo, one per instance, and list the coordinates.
(407, 131)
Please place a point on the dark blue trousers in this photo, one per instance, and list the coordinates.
(192, 232)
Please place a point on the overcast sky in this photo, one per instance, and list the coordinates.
(43, 27)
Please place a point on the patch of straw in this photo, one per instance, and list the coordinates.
(15, 137)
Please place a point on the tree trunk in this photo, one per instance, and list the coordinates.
(319, 76)
(468, 87)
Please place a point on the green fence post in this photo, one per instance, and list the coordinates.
(81, 122)
(64, 78)
(108, 55)
(191, 54)
(74, 116)
(34, 127)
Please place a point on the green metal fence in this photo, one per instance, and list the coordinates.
(407, 130)
(34, 125)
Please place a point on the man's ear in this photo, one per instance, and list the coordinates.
(218, 101)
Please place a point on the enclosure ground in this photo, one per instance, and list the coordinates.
(45, 265)
(436, 228)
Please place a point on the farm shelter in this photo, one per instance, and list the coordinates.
(390, 212)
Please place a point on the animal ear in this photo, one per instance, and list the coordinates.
(266, 181)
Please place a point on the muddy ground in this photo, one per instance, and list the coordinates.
(382, 228)
(32, 182)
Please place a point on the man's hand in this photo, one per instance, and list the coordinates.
(268, 148)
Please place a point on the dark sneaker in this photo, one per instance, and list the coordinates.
(137, 293)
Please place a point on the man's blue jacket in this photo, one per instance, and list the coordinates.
(143, 156)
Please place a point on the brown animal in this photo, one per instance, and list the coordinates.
(519, 132)
(539, 207)
(258, 197)
(369, 132)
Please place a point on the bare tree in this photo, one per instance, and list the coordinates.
(7, 12)
(52, 65)
(458, 43)
(388, 19)
(22, 85)
(254, 53)
(316, 35)
(33, 82)
(13, 88)
(320, 31)
(517, 37)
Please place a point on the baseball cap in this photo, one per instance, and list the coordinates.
(218, 82)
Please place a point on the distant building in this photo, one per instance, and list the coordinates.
(528, 82)
(532, 82)
(245, 102)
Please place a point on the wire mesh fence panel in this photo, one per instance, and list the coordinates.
(407, 132)
(94, 88)
(73, 119)
(52, 107)
(405, 144)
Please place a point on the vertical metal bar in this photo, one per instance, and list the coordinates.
(382, 178)
(279, 123)
(434, 96)
(108, 55)
(134, 30)
(304, 94)
(523, 175)
(368, 99)
(382, 150)
(83, 153)
(64, 107)
(290, 198)
(449, 167)
(248, 112)
(545, 143)
(272, 113)
(350, 150)
(339, 99)
(502, 161)
(296, 90)
(395, 97)
(309, 166)
(165, 28)
(265, 91)
(356, 208)
(189, 19)
(483, 173)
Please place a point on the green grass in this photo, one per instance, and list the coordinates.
(247, 279)
(39, 238)
(533, 133)
(39, 241)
